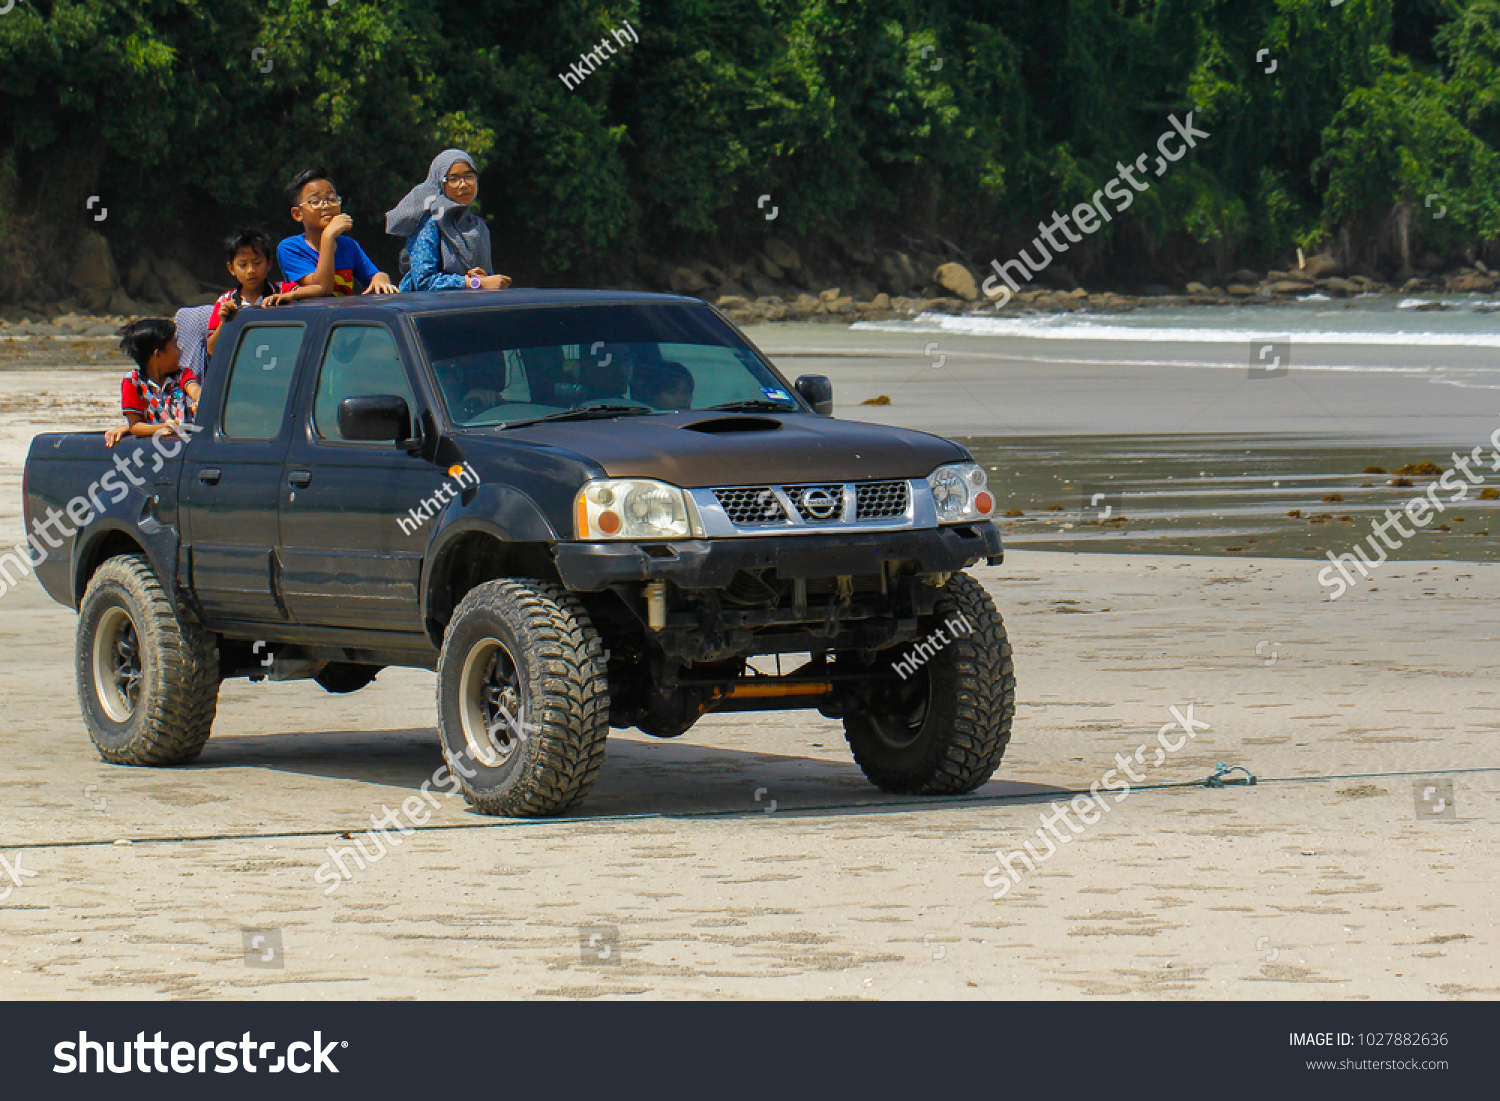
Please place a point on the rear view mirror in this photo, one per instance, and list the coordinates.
(379, 417)
(818, 392)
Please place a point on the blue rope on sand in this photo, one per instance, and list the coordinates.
(1222, 771)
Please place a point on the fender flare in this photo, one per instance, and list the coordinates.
(158, 542)
(499, 511)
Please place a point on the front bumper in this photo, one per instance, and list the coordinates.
(712, 563)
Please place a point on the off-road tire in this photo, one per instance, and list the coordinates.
(943, 729)
(560, 695)
(178, 662)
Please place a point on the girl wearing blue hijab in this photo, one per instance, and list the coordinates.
(447, 244)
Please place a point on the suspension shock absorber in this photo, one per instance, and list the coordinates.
(656, 605)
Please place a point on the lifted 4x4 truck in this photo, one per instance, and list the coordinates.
(582, 509)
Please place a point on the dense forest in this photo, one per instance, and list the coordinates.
(1368, 128)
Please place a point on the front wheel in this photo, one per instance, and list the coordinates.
(523, 705)
(148, 673)
(939, 721)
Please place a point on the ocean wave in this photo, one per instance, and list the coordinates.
(1089, 327)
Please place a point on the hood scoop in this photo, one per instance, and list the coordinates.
(726, 426)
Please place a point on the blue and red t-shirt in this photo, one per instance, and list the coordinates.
(299, 259)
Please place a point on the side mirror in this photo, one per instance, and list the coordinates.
(381, 417)
(818, 392)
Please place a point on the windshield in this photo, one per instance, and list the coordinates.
(504, 366)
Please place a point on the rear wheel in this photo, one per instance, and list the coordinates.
(148, 673)
(939, 724)
(523, 707)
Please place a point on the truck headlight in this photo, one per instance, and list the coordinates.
(635, 508)
(959, 491)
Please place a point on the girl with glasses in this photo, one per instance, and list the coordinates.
(447, 244)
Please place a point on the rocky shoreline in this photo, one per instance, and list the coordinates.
(954, 289)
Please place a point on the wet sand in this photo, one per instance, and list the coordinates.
(1208, 458)
(1279, 496)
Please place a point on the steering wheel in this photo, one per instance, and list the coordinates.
(474, 405)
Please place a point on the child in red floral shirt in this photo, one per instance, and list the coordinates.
(157, 395)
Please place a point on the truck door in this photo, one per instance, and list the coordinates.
(348, 559)
(231, 479)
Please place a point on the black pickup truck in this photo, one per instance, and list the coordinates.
(581, 508)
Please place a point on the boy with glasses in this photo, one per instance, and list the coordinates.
(322, 256)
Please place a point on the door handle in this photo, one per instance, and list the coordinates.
(299, 478)
(209, 475)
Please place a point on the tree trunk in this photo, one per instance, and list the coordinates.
(1403, 213)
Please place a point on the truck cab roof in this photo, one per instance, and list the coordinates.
(423, 302)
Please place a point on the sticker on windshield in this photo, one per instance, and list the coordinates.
(776, 395)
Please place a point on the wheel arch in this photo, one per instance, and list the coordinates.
(468, 553)
(111, 540)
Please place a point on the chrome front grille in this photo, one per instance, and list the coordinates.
(746, 505)
(881, 500)
(817, 506)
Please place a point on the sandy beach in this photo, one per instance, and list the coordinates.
(750, 859)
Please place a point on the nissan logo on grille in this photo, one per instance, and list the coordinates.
(819, 504)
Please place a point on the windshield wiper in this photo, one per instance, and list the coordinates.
(590, 413)
(756, 406)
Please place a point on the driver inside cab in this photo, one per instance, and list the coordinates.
(482, 384)
(477, 385)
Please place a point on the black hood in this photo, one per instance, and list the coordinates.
(701, 449)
